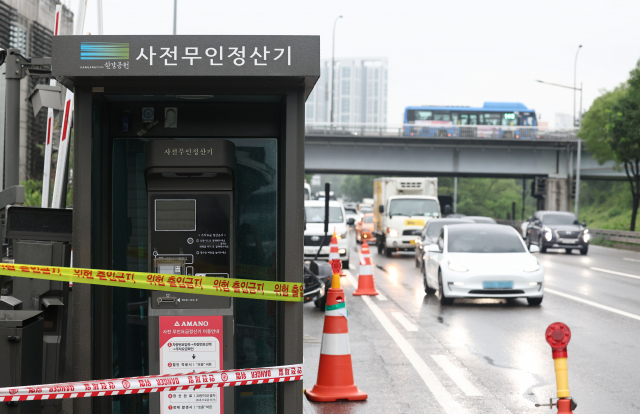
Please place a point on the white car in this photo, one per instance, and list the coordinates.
(482, 261)
(314, 230)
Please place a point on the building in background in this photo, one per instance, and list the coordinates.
(28, 25)
(360, 92)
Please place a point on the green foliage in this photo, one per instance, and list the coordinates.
(594, 122)
(357, 187)
(492, 197)
(32, 192)
(605, 204)
(611, 129)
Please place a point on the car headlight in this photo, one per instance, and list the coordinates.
(342, 236)
(393, 233)
(586, 236)
(457, 267)
(548, 234)
(534, 266)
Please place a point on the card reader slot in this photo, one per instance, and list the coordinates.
(167, 300)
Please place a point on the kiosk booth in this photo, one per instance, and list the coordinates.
(188, 159)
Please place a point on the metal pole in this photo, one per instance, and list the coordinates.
(12, 135)
(578, 178)
(455, 195)
(333, 53)
(100, 29)
(524, 195)
(580, 124)
(575, 65)
(175, 16)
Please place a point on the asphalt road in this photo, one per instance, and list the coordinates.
(412, 355)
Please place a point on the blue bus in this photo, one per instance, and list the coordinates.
(492, 120)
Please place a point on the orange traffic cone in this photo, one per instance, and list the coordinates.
(335, 373)
(334, 255)
(366, 284)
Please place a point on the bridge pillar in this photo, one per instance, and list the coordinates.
(557, 198)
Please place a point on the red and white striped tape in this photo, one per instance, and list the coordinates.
(154, 383)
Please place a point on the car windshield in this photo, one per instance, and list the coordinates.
(413, 207)
(559, 219)
(350, 211)
(484, 239)
(315, 214)
(368, 219)
(434, 227)
(366, 210)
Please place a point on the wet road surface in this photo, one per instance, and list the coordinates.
(412, 355)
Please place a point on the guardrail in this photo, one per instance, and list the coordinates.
(631, 237)
(442, 131)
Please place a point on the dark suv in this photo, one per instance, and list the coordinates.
(558, 230)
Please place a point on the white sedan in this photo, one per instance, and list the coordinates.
(482, 261)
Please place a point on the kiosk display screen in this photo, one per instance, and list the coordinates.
(175, 215)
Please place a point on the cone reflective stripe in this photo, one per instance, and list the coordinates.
(366, 284)
(335, 371)
(333, 248)
(366, 252)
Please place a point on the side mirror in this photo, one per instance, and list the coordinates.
(434, 248)
(584, 224)
(381, 208)
(534, 249)
(351, 221)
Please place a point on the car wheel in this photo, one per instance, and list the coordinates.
(584, 250)
(380, 248)
(345, 264)
(534, 301)
(387, 251)
(543, 249)
(427, 289)
(321, 303)
(443, 299)
(568, 251)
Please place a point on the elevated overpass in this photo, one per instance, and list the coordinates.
(444, 151)
(508, 152)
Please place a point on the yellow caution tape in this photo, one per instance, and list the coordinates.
(216, 286)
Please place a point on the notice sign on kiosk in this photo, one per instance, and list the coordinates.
(191, 344)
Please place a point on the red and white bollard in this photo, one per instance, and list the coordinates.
(558, 336)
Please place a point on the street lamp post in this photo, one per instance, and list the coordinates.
(575, 66)
(175, 16)
(579, 149)
(333, 53)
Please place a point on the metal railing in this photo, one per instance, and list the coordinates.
(631, 237)
(441, 131)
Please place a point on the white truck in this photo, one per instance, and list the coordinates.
(401, 208)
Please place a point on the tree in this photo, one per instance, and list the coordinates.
(623, 131)
(611, 130)
(357, 187)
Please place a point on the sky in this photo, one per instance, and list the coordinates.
(439, 52)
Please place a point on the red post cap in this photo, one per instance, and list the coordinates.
(558, 336)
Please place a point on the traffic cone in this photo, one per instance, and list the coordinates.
(366, 284)
(334, 255)
(335, 372)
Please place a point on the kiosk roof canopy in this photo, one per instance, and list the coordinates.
(114, 59)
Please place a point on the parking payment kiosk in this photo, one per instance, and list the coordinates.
(189, 165)
(190, 204)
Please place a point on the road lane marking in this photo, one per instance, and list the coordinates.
(594, 304)
(380, 296)
(631, 260)
(456, 376)
(404, 322)
(597, 269)
(443, 397)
